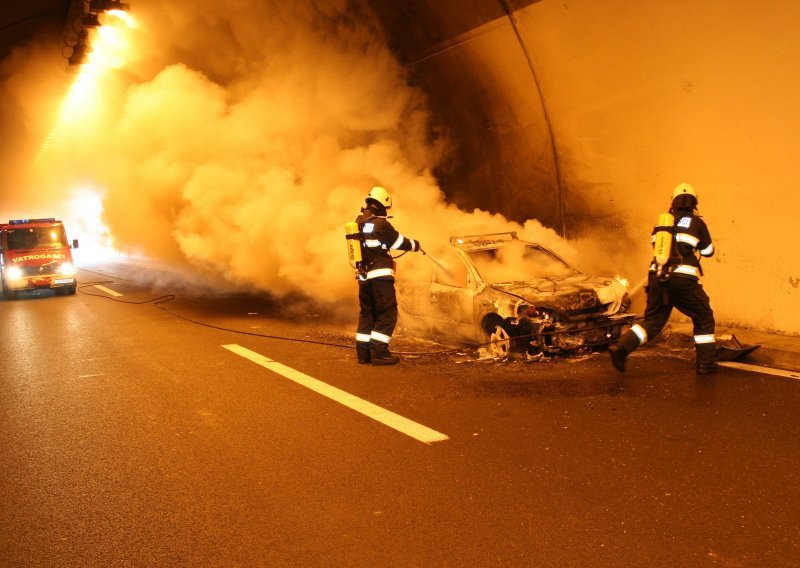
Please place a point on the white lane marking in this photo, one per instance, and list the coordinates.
(760, 369)
(107, 290)
(386, 417)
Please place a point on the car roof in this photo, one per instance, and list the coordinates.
(494, 241)
(483, 242)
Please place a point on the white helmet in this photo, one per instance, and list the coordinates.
(380, 195)
(684, 189)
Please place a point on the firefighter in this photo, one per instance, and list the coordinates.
(376, 295)
(677, 284)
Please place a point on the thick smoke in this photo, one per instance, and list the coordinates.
(240, 137)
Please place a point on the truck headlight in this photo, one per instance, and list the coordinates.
(14, 273)
(67, 269)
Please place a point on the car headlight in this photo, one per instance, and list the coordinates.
(14, 273)
(67, 269)
(536, 313)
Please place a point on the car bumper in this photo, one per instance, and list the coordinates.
(560, 339)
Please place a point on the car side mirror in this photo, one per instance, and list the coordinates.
(74, 243)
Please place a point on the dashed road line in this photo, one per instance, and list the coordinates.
(377, 413)
(108, 291)
(760, 369)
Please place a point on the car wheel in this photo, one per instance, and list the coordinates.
(500, 345)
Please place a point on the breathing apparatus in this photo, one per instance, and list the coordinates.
(355, 254)
(683, 195)
(353, 237)
(663, 243)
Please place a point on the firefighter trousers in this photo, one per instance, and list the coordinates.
(377, 317)
(684, 293)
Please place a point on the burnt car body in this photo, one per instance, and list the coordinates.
(509, 294)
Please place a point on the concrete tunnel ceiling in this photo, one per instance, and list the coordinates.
(482, 86)
(585, 114)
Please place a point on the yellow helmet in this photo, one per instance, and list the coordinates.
(683, 189)
(380, 195)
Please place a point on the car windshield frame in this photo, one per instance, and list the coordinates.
(31, 238)
(555, 260)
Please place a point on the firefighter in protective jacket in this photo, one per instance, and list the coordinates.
(376, 294)
(677, 284)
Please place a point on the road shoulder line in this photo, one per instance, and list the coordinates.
(761, 369)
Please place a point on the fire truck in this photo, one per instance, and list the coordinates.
(35, 254)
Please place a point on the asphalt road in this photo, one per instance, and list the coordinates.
(132, 436)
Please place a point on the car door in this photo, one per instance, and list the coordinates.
(450, 297)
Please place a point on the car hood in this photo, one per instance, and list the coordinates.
(571, 294)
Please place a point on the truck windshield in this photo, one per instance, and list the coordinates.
(23, 238)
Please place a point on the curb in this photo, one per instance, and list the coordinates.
(781, 351)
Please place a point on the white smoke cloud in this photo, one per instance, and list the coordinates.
(241, 136)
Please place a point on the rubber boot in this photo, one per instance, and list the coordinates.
(706, 358)
(380, 354)
(620, 350)
(362, 350)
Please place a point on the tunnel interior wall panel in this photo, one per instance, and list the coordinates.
(643, 96)
(640, 96)
(500, 156)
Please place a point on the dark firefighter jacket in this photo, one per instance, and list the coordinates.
(378, 237)
(691, 240)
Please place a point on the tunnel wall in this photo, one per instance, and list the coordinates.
(484, 99)
(585, 114)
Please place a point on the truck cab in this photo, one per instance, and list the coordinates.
(35, 254)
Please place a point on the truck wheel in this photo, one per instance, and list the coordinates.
(9, 294)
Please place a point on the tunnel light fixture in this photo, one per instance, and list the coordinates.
(91, 20)
(98, 6)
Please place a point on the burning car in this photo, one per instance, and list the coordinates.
(512, 295)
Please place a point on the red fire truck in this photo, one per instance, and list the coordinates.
(35, 254)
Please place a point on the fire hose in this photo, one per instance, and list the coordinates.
(159, 302)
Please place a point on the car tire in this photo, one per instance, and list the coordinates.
(500, 345)
(496, 336)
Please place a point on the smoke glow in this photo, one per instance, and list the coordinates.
(516, 262)
(236, 138)
(239, 139)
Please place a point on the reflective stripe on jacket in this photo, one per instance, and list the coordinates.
(380, 237)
